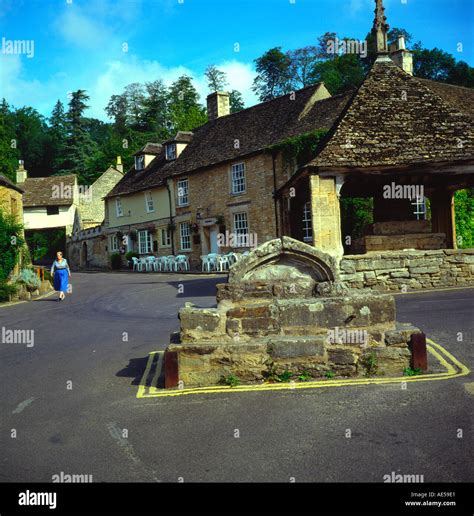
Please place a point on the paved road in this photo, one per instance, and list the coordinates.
(99, 339)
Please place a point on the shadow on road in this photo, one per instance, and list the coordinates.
(198, 287)
(134, 369)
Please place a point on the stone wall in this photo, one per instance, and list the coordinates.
(88, 249)
(209, 194)
(409, 270)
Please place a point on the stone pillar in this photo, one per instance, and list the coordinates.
(442, 216)
(326, 215)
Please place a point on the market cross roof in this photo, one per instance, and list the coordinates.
(397, 119)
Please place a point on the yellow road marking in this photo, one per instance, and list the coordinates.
(451, 372)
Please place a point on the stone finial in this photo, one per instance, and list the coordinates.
(380, 28)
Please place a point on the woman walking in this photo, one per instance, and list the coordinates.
(61, 274)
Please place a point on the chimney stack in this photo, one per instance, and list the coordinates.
(119, 165)
(401, 56)
(218, 104)
(21, 173)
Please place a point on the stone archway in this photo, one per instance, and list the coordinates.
(283, 260)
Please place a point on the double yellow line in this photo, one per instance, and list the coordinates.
(454, 368)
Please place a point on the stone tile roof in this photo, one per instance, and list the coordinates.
(396, 119)
(458, 97)
(150, 148)
(4, 181)
(40, 191)
(254, 129)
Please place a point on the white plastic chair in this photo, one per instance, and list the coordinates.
(143, 263)
(222, 263)
(137, 264)
(160, 263)
(170, 263)
(181, 263)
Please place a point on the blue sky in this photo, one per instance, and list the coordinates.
(80, 43)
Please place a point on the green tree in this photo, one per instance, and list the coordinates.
(185, 111)
(236, 101)
(434, 64)
(80, 147)
(340, 73)
(273, 75)
(216, 79)
(8, 144)
(117, 110)
(155, 109)
(11, 243)
(57, 136)
(302, 62)
(464, 210)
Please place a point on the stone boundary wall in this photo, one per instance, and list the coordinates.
(408, 270)
(96, 241)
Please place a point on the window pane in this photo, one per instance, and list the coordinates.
(183, 188)
(238, 178)
(185, 234)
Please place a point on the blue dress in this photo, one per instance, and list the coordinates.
(60, 273)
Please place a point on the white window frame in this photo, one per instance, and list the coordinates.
(238, 181)
(237, 219)
(185, 235)
(164, 232)
(149, 203)
(307, 223)
(114, 243)
(118, 207)
(170, 151)
(183, 189)
(139, 162)
(146, 246)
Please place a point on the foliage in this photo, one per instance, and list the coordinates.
(339, 73)
(131, 254)
(464, 210)
(216, 79)
(236, 101)
(286, 376)
(273, 75)
(299, 149)
(356, 213)
(7, 290)
(408, 371)
(305, 376)
(330, 374)
(369, 362)
(230, 380)
(116, 261)
(29, 278)
(44, 244)
(11, 242)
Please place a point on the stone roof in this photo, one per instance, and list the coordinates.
(4, 181)
(240, 134)
(458, 97)
(396, 119)
(150, 148)
(41, 191)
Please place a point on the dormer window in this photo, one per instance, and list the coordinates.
(171, 151)
(139, 162)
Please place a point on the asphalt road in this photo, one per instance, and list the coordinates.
(71, 398)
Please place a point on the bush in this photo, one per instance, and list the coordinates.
(28, 278)
(116, 261)
(131, 254)
(7, 290)
(11, 242)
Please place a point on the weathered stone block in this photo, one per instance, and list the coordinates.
(342, 356)
(423, 270)
(200, 323)
(290, 347)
